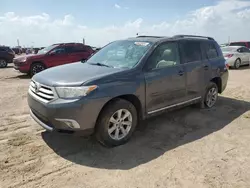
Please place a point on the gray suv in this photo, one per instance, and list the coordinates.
(128, 81)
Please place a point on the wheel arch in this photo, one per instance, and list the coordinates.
(218, 82)
(130, 98)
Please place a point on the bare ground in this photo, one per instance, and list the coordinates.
(186, 148)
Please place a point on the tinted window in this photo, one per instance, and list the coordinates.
(210, 50)
(240, 50)
(78, 48)
(59, 50)
(248, 44)
(237, 44)
(191, 51)
(245, 50)
(164, 55)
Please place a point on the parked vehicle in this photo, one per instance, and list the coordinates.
(241, 43)
(57, 54)
(236, 56)
(127, 81)
(6, 56)
(17, 51)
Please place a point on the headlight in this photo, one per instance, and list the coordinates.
(20, 59)
(74, 92)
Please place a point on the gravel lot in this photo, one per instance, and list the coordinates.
(186, 148)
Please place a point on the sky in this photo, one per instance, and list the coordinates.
(41, 23)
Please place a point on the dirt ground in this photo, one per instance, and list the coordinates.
(187, 148)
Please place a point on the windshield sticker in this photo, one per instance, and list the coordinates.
(141, 43)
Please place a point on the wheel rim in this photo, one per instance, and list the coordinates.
(211, 97)
(2, 63)
(120, 124)
(237, 63)
(37, 68)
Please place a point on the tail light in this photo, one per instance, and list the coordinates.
(227, 65)
(229, 55)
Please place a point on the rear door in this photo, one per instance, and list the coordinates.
(194, 67)
(245, 52)
(165, 78)
(242, 55)
(57, 56)
(79, 52)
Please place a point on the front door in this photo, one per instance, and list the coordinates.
(165, 78)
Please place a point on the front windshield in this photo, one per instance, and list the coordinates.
(121, 54)
(45, 50)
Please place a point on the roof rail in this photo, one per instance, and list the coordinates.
(145, 36)
(192, 36)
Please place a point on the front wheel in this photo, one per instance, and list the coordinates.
(116, 123)
(3, 63)
(36, 68)
(211, 95)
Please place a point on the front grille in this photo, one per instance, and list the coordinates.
(41, 92)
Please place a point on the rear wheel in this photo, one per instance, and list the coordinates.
(3, 63)
(237, 63)
(36, 68)
(211, 95)
(116, 123)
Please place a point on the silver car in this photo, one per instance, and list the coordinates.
(236, 56)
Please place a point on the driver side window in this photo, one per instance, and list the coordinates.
(165, 55)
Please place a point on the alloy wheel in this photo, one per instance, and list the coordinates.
(3, 63)
(120, 124)
(211, 97)
(37, 68)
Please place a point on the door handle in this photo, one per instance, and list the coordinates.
(181, 73)
(206, 67)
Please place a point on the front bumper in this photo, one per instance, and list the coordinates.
(64, 115)
(22, 67)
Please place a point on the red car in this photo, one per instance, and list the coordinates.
(54, 55)
(242, 43)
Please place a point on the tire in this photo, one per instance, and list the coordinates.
(36, 68)
(211, 95)
(237, 64)
(3, 63)
(107, 129)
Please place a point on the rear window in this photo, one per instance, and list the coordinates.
(191, 51)
(237, 44)
(210, 50)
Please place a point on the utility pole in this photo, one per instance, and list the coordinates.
(18, 42)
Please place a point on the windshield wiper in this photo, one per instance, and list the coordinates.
(101, 64)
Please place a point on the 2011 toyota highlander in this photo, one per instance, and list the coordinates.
(127, 81)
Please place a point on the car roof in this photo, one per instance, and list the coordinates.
(236, 47)
(155, 39)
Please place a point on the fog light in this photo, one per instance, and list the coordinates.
(70, 123)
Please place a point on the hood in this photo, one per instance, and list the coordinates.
(74, 74)
(29, 56)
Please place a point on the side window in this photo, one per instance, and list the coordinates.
(240, 50)
(248, 44)
(245, 50)
(210, 50)
(59, 50)
(165, 55)
(2, 50)
(191, 51)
